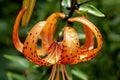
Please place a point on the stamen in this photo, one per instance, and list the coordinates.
(66, 73)
(63, 75)
(52, 75)
(58, 72)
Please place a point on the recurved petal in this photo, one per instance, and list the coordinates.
(16, 41)
(89, 38)
(30, 45)
(70, 45)
(47, 33)
(85, 55)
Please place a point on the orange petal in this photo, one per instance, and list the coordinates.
(16, 41)
(70, 45)
(47, 34)
(30, 45)
(89, 40)
(85, 55)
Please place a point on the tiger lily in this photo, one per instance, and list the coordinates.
(70, 50)
(57, 53)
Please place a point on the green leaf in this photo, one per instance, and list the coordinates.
(66, 3)
(13, 76)
(18, 60)
(37, 75)
(91, 9)
(114, 37)
(79, 74)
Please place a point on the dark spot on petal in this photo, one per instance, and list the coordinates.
(35, 51)
(62, 57)
(77, 51)
(33, 41)
(30, 34)
(41, 62)
(31, 53)
(34, 55)
(27, 43)
(78, 59)
(66, 55)
(75, 55)
(25, 47)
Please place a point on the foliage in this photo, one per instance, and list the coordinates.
(106, 66)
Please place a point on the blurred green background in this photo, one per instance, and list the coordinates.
(105, 66)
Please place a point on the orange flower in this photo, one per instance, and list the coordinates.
(57, 53)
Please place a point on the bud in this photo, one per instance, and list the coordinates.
(29, 5)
